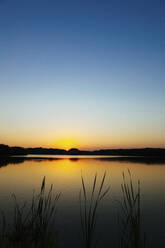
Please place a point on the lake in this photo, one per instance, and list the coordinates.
(22, 175)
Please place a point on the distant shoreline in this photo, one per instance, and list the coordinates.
(6, 151)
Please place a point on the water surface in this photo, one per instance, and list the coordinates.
(21, 176)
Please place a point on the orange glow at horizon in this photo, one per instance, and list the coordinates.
(67, 143)
(83, 139)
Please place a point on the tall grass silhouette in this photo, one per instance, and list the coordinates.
(89, 204)
(33, 225)
(130, 215)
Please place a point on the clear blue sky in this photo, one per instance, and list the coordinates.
(91, 73)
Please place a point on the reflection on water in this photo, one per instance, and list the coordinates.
(23, 175)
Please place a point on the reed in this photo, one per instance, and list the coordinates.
(89, 205)
(33, 225)
(130, 215)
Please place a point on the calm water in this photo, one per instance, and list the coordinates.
(23, 176)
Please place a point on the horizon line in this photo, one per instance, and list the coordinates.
(97, 149)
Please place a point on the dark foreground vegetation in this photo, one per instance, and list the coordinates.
(34, 225)
(6, 150)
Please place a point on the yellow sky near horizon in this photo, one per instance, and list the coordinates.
(70, 139)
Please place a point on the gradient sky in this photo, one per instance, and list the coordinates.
(82, 73)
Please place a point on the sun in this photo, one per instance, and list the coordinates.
(67, 143)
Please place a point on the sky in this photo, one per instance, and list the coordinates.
(87, 74)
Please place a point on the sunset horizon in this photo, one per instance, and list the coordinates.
(68, 147)
(82, 72)
(82, 123)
